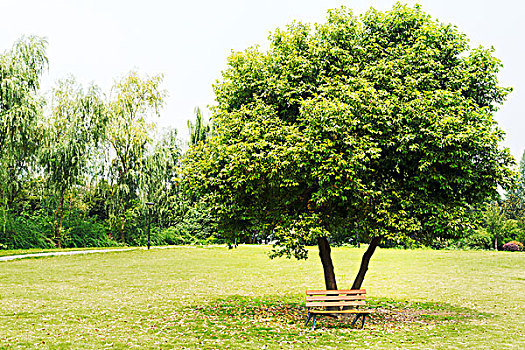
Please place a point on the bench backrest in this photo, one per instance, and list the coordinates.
(339, 298)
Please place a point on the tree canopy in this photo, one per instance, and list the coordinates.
(380, 124)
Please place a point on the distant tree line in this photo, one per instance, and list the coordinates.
(77, 166)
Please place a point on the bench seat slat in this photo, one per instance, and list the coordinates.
(336, 292)
(355, 311)
(335, 303)
(334, 297)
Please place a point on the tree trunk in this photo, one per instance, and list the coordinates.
(55, 223)
(61, 210)
(364, 263)
(121, 229)
(326, 260)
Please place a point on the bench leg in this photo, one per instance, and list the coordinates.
(308, 319)
(363, 322)
(313, 326)
(355, 320)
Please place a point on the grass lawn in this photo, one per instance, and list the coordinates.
(210, 298)
(38, 250)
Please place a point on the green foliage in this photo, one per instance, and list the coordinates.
(173, 236)
(478, 239)
(199, 131)
(514, 204)
(491, 228)
(521, 180)
(86, 232)
(78, 172)
(160, 180)
(197, 222)
(72, 132)
(497, 226)
(380, 125)
(25, 232)
(133, 101)
(96, 198)
(20, 107)
(35, 229)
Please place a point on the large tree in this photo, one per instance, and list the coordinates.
(380, 125)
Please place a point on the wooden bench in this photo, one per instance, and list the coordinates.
(336, 302)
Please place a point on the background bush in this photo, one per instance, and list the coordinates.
(513, 246)
(21, 232)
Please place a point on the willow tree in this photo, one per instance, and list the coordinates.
(380, 124)
(21, 68)
(160, 185)
(199, 131)
(133, 101)
(73, 132)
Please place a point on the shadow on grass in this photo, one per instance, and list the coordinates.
(387, 313)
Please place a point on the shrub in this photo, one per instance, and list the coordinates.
(36, 230)
(86, 232)
(479, 239)
(476, 239)
(513, 246)
(20, 232)
(174, 236)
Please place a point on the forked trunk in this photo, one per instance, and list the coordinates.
(364, 263)
(326, 260)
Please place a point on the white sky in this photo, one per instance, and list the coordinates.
(188, 41)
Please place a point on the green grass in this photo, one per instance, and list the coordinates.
(39, 250)
(218, 298)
